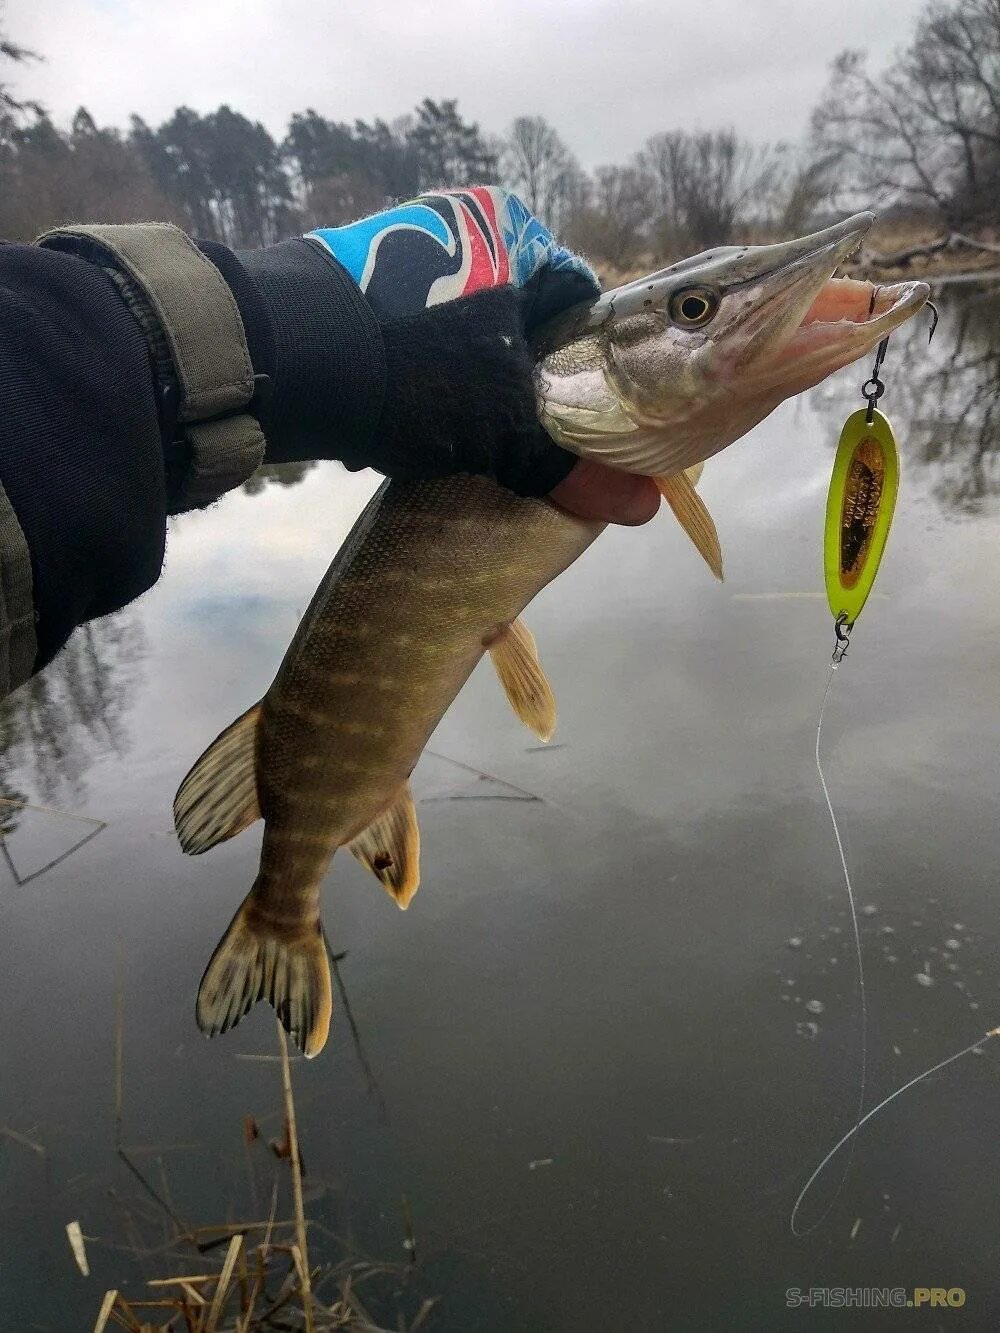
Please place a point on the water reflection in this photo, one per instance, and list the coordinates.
(618, 1026)
(53, 727)
(277, 474)
(949, 397)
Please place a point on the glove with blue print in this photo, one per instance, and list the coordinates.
(402, 345)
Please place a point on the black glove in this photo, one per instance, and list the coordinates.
(447, 389)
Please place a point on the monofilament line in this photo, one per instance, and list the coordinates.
(976, 1045)
(862, 994)
(863, 1116)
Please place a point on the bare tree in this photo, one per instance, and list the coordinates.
(611, 226)
(926, 131)
(537, 164)
(706, 184)
(802, 183)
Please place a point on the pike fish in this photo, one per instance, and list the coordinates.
(653, 377)
(668, 370)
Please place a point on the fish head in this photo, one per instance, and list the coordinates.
(663, 372)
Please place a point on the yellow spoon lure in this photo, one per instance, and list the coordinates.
(860, 504)
(859, 509)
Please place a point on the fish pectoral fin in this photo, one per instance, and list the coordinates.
(679, 492)
(251, 963)
(390, 848)
(218, 798)
(515, 658)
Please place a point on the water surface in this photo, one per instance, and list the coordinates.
(617, 1028)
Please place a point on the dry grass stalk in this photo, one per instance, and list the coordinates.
(296, 1164)
(104, 1314)
(267, 1285)
(225, 1277)
(76, 1243)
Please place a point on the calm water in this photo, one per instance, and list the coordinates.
(600, 1067)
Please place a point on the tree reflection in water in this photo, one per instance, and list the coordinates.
(276, 474)
(946, 398)
(59, 721)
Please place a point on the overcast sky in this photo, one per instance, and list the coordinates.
(606, 74)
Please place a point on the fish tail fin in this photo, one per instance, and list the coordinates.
(252, 962)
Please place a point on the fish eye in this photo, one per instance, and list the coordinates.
(693, 307)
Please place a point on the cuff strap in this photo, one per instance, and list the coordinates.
(197, 343)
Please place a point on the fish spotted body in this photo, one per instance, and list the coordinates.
(433, 575)
(436, 573)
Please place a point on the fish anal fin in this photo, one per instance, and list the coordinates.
(390, 848)
(689, 509)
(254, 963)
(218, 798)
(515, 658)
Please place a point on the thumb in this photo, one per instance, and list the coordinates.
(594, 491)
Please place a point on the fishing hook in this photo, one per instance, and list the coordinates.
(929, 305)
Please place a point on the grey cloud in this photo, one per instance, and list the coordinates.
(606, 75)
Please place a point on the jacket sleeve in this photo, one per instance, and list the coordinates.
(143, 374)
(82, 496)
(136, 370)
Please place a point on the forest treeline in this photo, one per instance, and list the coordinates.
(921, 137)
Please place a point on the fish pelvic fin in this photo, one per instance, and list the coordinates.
(218, 798)
(390, 848)
(254, 962)
(689, 509)
(515, 658)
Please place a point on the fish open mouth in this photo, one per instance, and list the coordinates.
(851, 317)
(805, 323)
(818, 324)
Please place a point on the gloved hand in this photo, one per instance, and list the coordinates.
(429, 367)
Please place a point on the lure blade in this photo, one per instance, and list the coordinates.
(859, 511)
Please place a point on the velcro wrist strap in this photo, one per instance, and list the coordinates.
(182, 300)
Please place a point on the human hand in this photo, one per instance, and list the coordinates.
(458, 280)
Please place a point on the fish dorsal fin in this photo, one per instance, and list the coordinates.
(679, 492)
(218, 798)
(390, 848)
(529, 693)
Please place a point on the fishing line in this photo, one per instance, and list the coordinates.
(859, 509)
(977, 1045)
(862, 993)
(859, 512)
